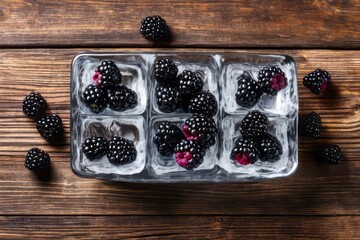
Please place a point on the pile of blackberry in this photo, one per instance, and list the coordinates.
(184, 91)
(107, 90)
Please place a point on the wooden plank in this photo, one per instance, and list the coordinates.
(179, 227)
(205, 23)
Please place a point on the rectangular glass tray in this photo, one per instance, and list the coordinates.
(219, 72)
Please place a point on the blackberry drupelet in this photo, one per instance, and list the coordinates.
(272, 79)
(189, 154)
(165, 72)
(310, 124)
(248, 92)
(167, 98)
(154, 28)
(107, 75)
(254, 125)
(317, 81)
(95, 147)
(189, 84)
(270, 148)
(122, 98)
(94, 98)
(330, 153)
(121, 151)
(50, 127)
(203, 102)
(37, 160)
(34, 105)
(202, 129)
(244, 151)
(167, 135)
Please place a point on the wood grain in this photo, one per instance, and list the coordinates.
(205, 23)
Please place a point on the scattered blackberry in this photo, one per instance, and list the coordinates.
(254, 125)
(248, 92)
(202, 129)
(34, 105)
(37, 160)
(165, 72)
(330, 154)
(270, 148)
(167, 135)
(95, 147)
(317, 81)
(310, 124)
(244, 151)
(107, 75)
(203, 102)
(167, 98)
(189, 84)
(189, 154)
(154, 28)
(272, 79)
(50, 127)
(95, 98)
(121, 151)
(122, 98)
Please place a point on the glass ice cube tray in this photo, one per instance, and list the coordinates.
(219, 72)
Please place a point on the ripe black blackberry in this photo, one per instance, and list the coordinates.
(94, 98)
(154, 28)
(190, 83)
(310, 124)
(107, 75)
(50, 127)
(189, 154)
(34, 105)
(167, 135)
(330, 154)
(254, 125)
(248, 92)
(203, 102)
(202, 129)
(121, 151)
(95, 147)
(270, 148)
(37, 160)
(165, 72)
(244, 151)
(317, 81)
(122, 98)
(167, 98)
(272, 79)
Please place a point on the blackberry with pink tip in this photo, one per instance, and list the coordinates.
(50, 127)
(271, 80)
(330, 153)
(254, 125)
(165, 72)
(37, 160)
(167, 135)
(121, 151)
(107, 75)
(34, 105)
(203, 102)
(317, 81)
(189, 154)
(94, 98)
(270, 148)
(244, 151)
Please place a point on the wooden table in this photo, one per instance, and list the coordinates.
(38, 40)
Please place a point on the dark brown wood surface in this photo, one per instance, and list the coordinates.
(38, 40)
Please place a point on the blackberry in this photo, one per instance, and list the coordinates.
(189, 154)
(244, 151)
(310, 124)
(95, 98)
(317, 81)
(254, 125)
(50, 127)
(203, 102)
(167, 98)
(190, 83)
(330, 154)
(248, 92)
(154, 28)
(34, 105)
(165, 72)
(202, 129)
(107, 75)
(95, 147)
(167, 135)
(122, 98)
(272, 79)
(37, 160)
(121, 151)
(270, 148)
